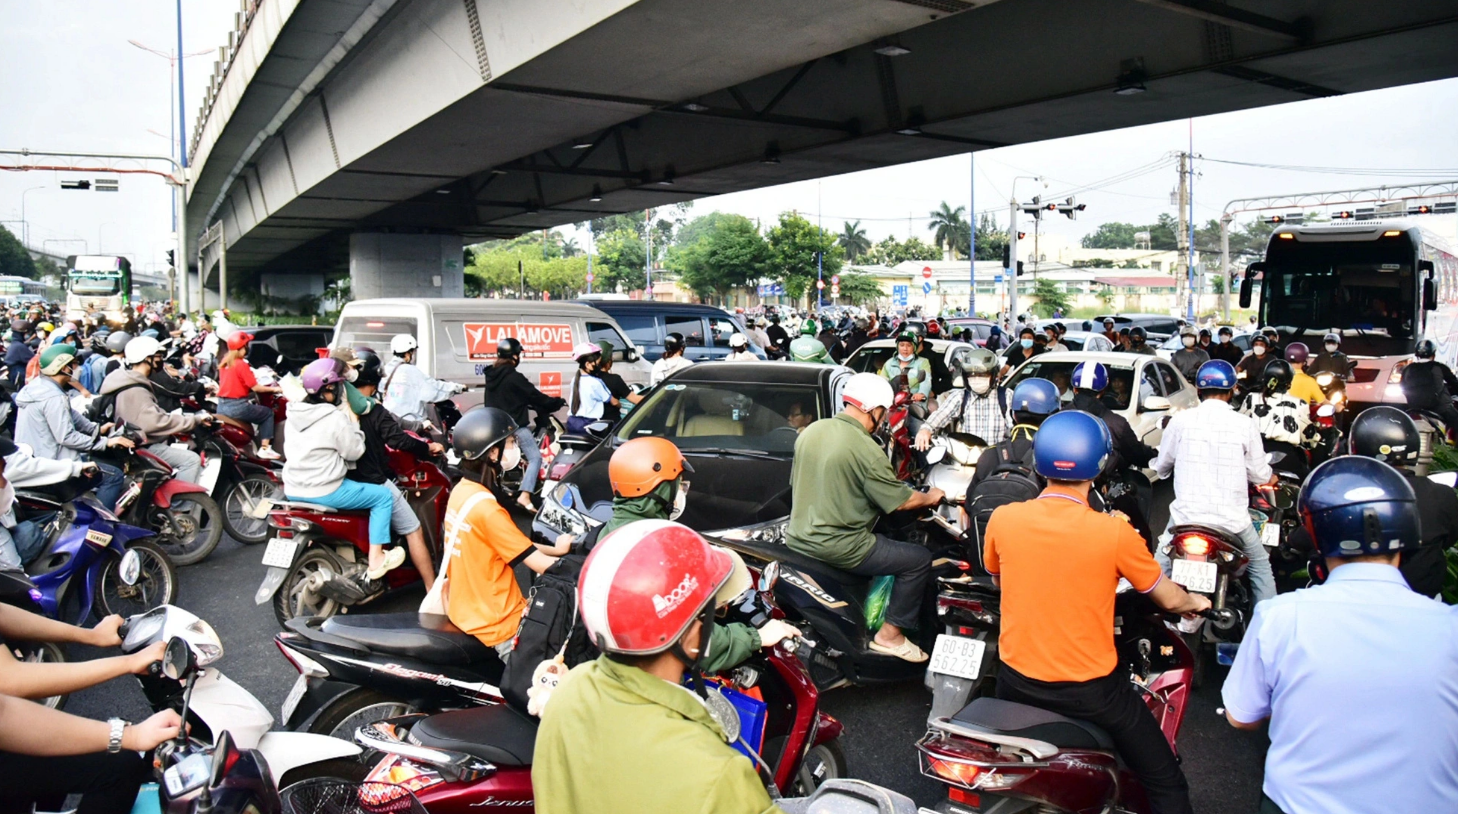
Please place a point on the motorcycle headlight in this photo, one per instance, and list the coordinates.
(142, 631)
(204, 641)
(771, 532)
(1324, 379)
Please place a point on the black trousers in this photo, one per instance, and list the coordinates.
(107, 783)
(1111, 702)
(911, 565)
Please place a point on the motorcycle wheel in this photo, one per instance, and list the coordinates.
(241, 498)
(200, 523)
(290, 600)
(47, 653)
(343, 769)
(823, 762)
(157, 584)
(358, 707)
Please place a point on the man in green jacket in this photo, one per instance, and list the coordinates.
(621, 735)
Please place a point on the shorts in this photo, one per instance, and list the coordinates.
(402, 517)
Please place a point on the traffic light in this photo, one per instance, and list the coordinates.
(1069, 208)
(1007, 254)
(1022, 235)
(75, 185)
(1020, 268)
(1035, 208)
(172, 258)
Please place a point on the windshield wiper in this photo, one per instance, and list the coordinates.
(739, 453)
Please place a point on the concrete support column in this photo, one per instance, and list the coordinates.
(405, 265)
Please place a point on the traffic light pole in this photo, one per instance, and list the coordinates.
(1009, 274)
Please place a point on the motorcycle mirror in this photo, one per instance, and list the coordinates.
(769, 576)
(177, 659)
(935, 455)
(130, 568)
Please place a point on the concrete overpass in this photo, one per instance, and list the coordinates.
(378, 134)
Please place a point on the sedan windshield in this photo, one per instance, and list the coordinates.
(1115, 396)
(726, 417)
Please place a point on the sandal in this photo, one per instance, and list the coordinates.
(394, 558)
(906, 651)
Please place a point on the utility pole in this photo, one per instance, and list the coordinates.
(972, 235)
(648, 259)
(1182, 236)
(1009, 274)
(1225, 266)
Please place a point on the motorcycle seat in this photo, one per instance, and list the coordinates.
(782, 553)
(318, 508)
(999, 717)
(497, 733)
(427, 637)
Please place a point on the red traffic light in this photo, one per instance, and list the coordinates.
(1345, 214)
(1275, 219)
(1022, 235)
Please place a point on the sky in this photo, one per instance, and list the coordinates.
(70, 80)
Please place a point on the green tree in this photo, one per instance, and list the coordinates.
(620, 256)
(730, 255)
(1051, 297)
(1095, 263)
(891, 251)
(859, 289)
(854, 241)
(991, 241)
(570, 247)
(14, 259)
(1113, 235)
(795, 244)
(949, 227)
(1162, 233)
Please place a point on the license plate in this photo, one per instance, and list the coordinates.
(296, 694)
(210, 472)
(957, 656)
(280, 552)
(1196, 576)
(1271, 535)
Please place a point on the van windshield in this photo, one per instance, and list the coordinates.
(374, 333)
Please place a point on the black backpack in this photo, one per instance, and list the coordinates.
(102, 409)
(1014, 480)
(549, 626)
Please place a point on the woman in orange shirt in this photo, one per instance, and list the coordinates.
(236, 387)
(483, 543)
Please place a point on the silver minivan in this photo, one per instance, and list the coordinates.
(458, 339)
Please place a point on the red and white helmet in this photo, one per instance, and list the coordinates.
(644, 584)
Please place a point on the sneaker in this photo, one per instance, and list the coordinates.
(394, 558)
(267, 454)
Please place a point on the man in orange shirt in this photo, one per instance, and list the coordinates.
(1058, 563)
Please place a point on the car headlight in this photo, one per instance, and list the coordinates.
(771, 532)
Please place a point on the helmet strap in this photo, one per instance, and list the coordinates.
(695, 666)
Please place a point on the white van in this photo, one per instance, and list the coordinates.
(458, 339)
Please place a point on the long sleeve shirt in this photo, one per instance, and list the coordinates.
(1213, 452)
(965, 412)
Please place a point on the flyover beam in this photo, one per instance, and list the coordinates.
(1219, 12)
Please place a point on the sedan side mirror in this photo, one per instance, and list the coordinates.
(630, 354)
(1155, 404)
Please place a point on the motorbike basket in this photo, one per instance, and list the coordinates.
(324, 795)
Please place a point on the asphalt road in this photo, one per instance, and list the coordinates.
(1223, 765)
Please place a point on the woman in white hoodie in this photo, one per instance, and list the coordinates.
(322, 438)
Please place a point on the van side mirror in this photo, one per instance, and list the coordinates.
(630, 354)
(1247, 283)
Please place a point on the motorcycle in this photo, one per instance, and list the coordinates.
(568, 450)
(18, 590)
(1211, 561)
(318, 555)
(964, 659)
(480, 759)
(1275, 507)
(996, 755)
(187, 520)
(902, 421)
(242, 488)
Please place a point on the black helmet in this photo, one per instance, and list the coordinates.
(1387, 434)
(116, 341)
(508, 348)
(479, 430)
(1277, 376)
(370, 371)
(1426, 349)
(1136, 334)
(673, 343)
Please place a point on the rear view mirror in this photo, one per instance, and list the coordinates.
(1430, 296)
(177, 659)
(935, 455)
(1155, 404)
(1247, 283)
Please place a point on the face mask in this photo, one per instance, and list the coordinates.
(905, 357)
(1258, 350)
(1224, 340)
(1331, 347)
(680, 502)
(980, 385)
(510, 457)
(1026, 343)
(1188, 341)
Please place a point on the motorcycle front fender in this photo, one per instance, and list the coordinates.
(269, 586)
(222, 704)
(172, 487)
(318, 694)
(285, 751)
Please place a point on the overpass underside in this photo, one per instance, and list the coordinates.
(482, 118)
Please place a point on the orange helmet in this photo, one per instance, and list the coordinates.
(638, 466)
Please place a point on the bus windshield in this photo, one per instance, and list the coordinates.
(1359, 289)
(95, 285)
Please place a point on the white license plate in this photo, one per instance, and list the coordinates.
(280, 552)
(1195, 576)
(210, 472)
(957, 656)
(296, 694)
(1271, 535)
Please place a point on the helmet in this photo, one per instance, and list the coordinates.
(809, 349)
(640, 465)
(1188, 330)
(1426, 349)
(867, 391)
(644, 585)
(480, 429)
(1216, 374)
(584, 350)
(673, 343)
(55, 358)
(239, 341)
(978, 362)
(1090, 376)
(807, 328)
(46, 326)
(141, 349)
(20, 326)
(1204, 333)
(1261, 338)
(1137, 334)
(1386, 434)
(1332, 336)
(508, 348)
(1035, 396)
(1297, 353)
(370, 368)
(315, 376)
(401, 344)
(1272, 334)
(1072, 445)
(153, 333)
(1277, 376)
(738, 340)
(1225, 330)
(1353, 506)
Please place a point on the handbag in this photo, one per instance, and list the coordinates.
(434, 602)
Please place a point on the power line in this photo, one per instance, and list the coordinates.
(1366, 171)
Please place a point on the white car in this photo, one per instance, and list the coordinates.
(1160, 389)
(872, 356)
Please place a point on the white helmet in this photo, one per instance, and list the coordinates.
(738, 340)
(401, 344)
(867, 391)
(141, 349)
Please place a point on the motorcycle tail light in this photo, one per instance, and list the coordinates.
(305, 665)
(560, 470)
(1194, 544)
(963, 774)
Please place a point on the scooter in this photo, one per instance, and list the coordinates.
(1211, 561)
(17, 590)
(317, 555)
(480, 759)
(187, 520)
(964, 659)
(239, 486)
(1001, 756)
(219, 712)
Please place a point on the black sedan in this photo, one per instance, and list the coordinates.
(736, 423)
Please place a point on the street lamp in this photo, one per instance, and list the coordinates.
(25, 225)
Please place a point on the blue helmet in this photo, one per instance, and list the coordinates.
(1216, 374)
(1090, 376)
(1354, 506)
(1036, 396)
(1072, 445)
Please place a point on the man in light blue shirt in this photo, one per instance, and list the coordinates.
(1358, 676)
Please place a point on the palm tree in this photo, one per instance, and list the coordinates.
(853, 239)
(948, 225)
(570, 247)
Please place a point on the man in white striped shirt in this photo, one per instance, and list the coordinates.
(1214, 452)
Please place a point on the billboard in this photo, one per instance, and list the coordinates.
(537, 340)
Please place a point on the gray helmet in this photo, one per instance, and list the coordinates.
(479, 430)
(117, 341)
(978, 362)
(1332, 337)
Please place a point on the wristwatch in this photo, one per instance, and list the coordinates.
(118, 726)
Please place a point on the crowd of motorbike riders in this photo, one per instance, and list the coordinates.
(1357, 675)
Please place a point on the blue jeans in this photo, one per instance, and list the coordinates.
(531, 458)
(355, 495)
(111, 485)
(20, 544)
(250, 411)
